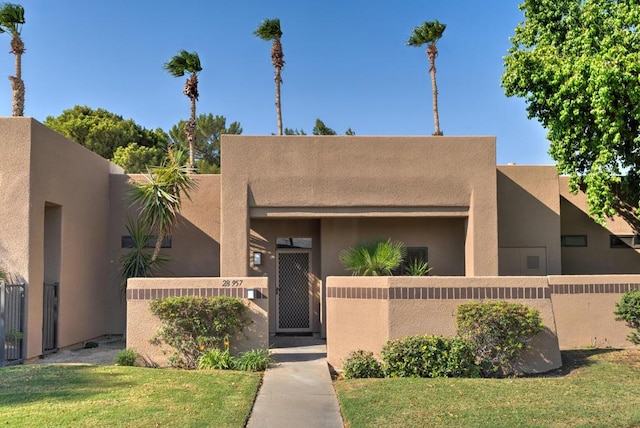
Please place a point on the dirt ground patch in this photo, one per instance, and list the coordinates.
(103, 354)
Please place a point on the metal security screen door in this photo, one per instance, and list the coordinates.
(293, 291)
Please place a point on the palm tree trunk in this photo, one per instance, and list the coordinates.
(17, 88)
(191, 136)
(278, 80)
(158, 247)
(432, 52)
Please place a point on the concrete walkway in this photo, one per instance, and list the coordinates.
(297, 391)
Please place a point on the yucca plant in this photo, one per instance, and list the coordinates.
(417, 267)
(375, 258)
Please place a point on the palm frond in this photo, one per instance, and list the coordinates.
(136, 262)
(373, 258)
(269, 29)
(428, 32)
(12, 18)
(183, 62)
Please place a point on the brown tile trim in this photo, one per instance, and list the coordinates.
(438, 293)
(161, 293)
(614, 288)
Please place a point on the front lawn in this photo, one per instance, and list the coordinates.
(112, 396)
(595, 388)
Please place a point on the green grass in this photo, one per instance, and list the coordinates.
(596, 388)
(112, 396)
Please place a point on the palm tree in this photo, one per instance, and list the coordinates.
(269, 29)
(11, 20)
(376, 258)
(160, 198)
(187, 62)
(430, 32)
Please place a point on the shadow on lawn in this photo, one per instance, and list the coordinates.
(33, 383)
(574, 360)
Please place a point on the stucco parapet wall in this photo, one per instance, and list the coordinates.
(439, 288)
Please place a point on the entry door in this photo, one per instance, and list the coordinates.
(293, 291)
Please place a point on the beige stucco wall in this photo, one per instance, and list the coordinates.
(355, 177)
(597, 257)
(142, 325)
(40, 168)
(528, 218)
(427, 305)
(584, 314)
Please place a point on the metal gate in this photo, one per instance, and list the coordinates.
(293, 291)
(11, 323)
(50, 318)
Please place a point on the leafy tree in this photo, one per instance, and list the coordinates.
(103, 132)
(375, 258)
(430, 33)
(159, 197)
(135, 158)
(575, 62)
(268, 30)
(11, 21)
(321, 129)
(187, 62)
(296, 131)
(209, 129)
(350, 131)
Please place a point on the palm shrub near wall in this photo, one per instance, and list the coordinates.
(628, 310)
(194, 325)
(498, 333)
(374, 258)
(429, 356)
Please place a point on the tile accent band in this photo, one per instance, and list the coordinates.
(161, 293)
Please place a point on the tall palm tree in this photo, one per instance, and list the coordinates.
(187, 62)
(430, 32)
(11, 20)
(269, 29)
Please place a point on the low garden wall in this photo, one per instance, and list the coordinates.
(364, 312)
(142, 325)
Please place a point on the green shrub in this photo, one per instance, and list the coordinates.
(194, 325)
(498, 333)
(255, 360)
(429, 356)
(417, 267)
(361, 364)
(215, 359)
(628, 310)
(127, 357)
(375, 258)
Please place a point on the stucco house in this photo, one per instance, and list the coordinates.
(269, 230)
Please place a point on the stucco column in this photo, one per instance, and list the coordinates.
(481, 244)
(234, 228)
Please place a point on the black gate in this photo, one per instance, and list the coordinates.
(11, 323)
(50, 318)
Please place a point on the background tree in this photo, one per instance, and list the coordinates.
(292, 131)
(103, 132)
(269, 29)
(11, 20)
(136, 159)
(182, 63)
(349, 131)
(430, 33)
(321, 129)
(575, 62)
(209, 129)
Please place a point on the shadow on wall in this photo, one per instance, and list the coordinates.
(535, 359)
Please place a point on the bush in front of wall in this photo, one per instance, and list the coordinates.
(194, 325)
(628, 310)
(127, 357)
(498, 332)
(361, 364)
(255, 360)
(216, 359)
(429, 356)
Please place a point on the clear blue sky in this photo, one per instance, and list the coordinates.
(346, 63)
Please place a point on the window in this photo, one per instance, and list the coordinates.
(573, 240)
(126, 241)
(293, 243)
(420, 254)
(624, 241)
